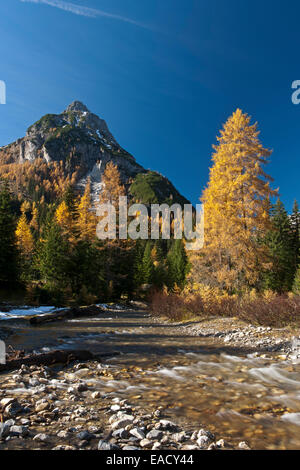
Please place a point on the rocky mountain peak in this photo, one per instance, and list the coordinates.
(77, 106)
(82, 144)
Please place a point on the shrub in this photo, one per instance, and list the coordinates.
(268, 309)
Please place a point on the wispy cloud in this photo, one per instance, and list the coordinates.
(86, 11)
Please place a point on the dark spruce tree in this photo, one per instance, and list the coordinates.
(147, 267)
(178, 265)
(295, 227)
(53, 256)
(279, 241)
(8, 249)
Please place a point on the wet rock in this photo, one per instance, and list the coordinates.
(243, 446)
(41, 437)
(121, 433)
(157, 446)
(115, 407)
(25, 421)
(63, 434)
(221, 444)
(104, 445)
(13, 409)
(146, 443)
(165, 440)
(64, 447)
(138, 433)
(205, 433)
(189, 447)
(155, 434)
(42, 406)
(122, 422)
(179, 437)
(7, 401)
(203, 442)
(34, 382)
(130, 448)
(5, 428)
(21, 431)
(166, 425)
(212, 446)
(85, 436)
(82, 387)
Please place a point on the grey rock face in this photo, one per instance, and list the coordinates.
(79, 139)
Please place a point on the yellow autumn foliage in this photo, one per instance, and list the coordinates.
(24, 236)
(86, 221)
(237, 203)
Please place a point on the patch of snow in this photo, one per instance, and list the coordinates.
(27, 311)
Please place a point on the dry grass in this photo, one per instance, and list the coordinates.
(267, 309)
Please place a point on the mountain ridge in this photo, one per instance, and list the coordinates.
(80, 143)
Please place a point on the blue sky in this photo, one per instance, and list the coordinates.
(164, 74)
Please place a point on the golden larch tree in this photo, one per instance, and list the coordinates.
(24, 236)
(112, 187)
(86, 221)
(65, 220)
(34, 223)
(237, 206)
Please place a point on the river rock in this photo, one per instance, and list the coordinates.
(179, 437)
(138, 433)
(155, 435)
(157, 446)
(145, 443)
(208, 434)
(41, 437)
(122, 422)
(5, 428)
(42, 406)
(167, 425)
(203, 442)
(18, 431)
(13, 409)
(104, 445)
(243, 446)
(121, 434)
(82, 387)
(64, 447)
(85, 436)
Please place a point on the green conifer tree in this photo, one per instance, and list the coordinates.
(295, 225)
(53, 257)
(280, 245)
(147, 265)
(8, 248)
(178, 265)
(296, 284)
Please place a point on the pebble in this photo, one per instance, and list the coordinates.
(138, 433)
(243, 446)
(104, 445)
(155, 434)
(41, 437)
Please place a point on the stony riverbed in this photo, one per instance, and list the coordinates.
(166, 386)
(62, 410)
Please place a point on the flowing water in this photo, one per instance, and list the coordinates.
(199, 382)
